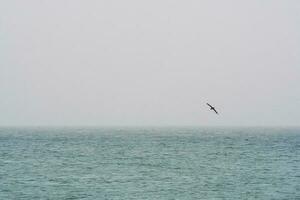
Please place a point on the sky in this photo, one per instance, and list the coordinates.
(144, 63)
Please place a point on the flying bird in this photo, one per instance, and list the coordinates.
(212, 108)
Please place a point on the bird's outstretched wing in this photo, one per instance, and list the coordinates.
(209, 105)
(215, 111)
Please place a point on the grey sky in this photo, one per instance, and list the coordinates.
(152, 62)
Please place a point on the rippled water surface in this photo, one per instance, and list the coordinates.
(149, 163)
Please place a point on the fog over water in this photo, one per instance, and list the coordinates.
(149, 62)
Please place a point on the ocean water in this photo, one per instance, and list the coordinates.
(149, 163)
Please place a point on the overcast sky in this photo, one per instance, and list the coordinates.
(134, 62)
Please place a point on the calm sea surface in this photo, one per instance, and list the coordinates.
(149, 163)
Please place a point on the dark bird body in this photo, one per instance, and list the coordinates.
(212, 108)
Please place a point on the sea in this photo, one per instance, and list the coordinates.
(113, 163)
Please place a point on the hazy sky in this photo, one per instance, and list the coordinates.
(134, 62)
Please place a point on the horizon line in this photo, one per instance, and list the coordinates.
(150, 126)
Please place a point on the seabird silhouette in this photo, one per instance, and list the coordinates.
(212, 108)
